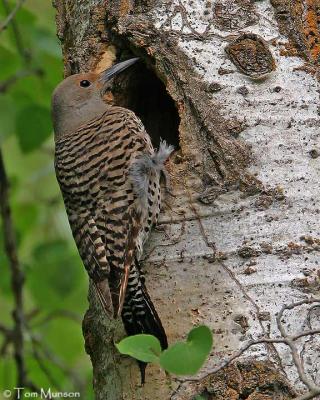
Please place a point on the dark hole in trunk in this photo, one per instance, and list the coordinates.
(140, 90)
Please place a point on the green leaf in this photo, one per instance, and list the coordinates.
(9, 62)
(54, 274)
(187, 358)
(142, 347)
(25, 215)
(46, 42)
(25, 17)
(33, 126)
(7, 116)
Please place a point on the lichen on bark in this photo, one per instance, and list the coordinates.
(227, 197)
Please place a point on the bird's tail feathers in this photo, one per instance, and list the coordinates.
(140, 316)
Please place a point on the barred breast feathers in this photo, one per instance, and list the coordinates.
(142, 167)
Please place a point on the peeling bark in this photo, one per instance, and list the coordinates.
(233, 245)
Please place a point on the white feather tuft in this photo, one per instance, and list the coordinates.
(139, 174)
(141, 168)
(160, 157)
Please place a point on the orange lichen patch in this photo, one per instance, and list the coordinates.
(299, 20)
(311, 28)
(125, 7)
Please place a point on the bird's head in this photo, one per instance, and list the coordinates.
(81, 97)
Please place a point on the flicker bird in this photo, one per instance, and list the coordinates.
(109, 176)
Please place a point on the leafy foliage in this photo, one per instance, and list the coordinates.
(182, 358)
(56, 283)
(187, 358)
(142, 347)
(32, 126)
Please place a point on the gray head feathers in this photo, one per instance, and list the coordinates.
(79, 98)
(141, 168)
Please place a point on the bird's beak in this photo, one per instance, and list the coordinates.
(109, 73)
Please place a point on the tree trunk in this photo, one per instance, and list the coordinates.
(233, 85)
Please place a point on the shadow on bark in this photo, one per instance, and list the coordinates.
(174, 103)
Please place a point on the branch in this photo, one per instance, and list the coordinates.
(8, 335)
(42, 354)
(58, 314)
(24, 53)
(289, 340)
(10, 17)
(17, 276)
(5, 85)
(43, 367)
(5, 330)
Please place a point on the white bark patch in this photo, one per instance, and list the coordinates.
(282, 125)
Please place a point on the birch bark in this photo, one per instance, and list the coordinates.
(241, 236)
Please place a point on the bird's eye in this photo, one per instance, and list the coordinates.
(85, 83)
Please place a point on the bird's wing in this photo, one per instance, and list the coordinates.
(121, 208)
(82, 219)
(129, 256)
(92, 168)
(92, 252)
